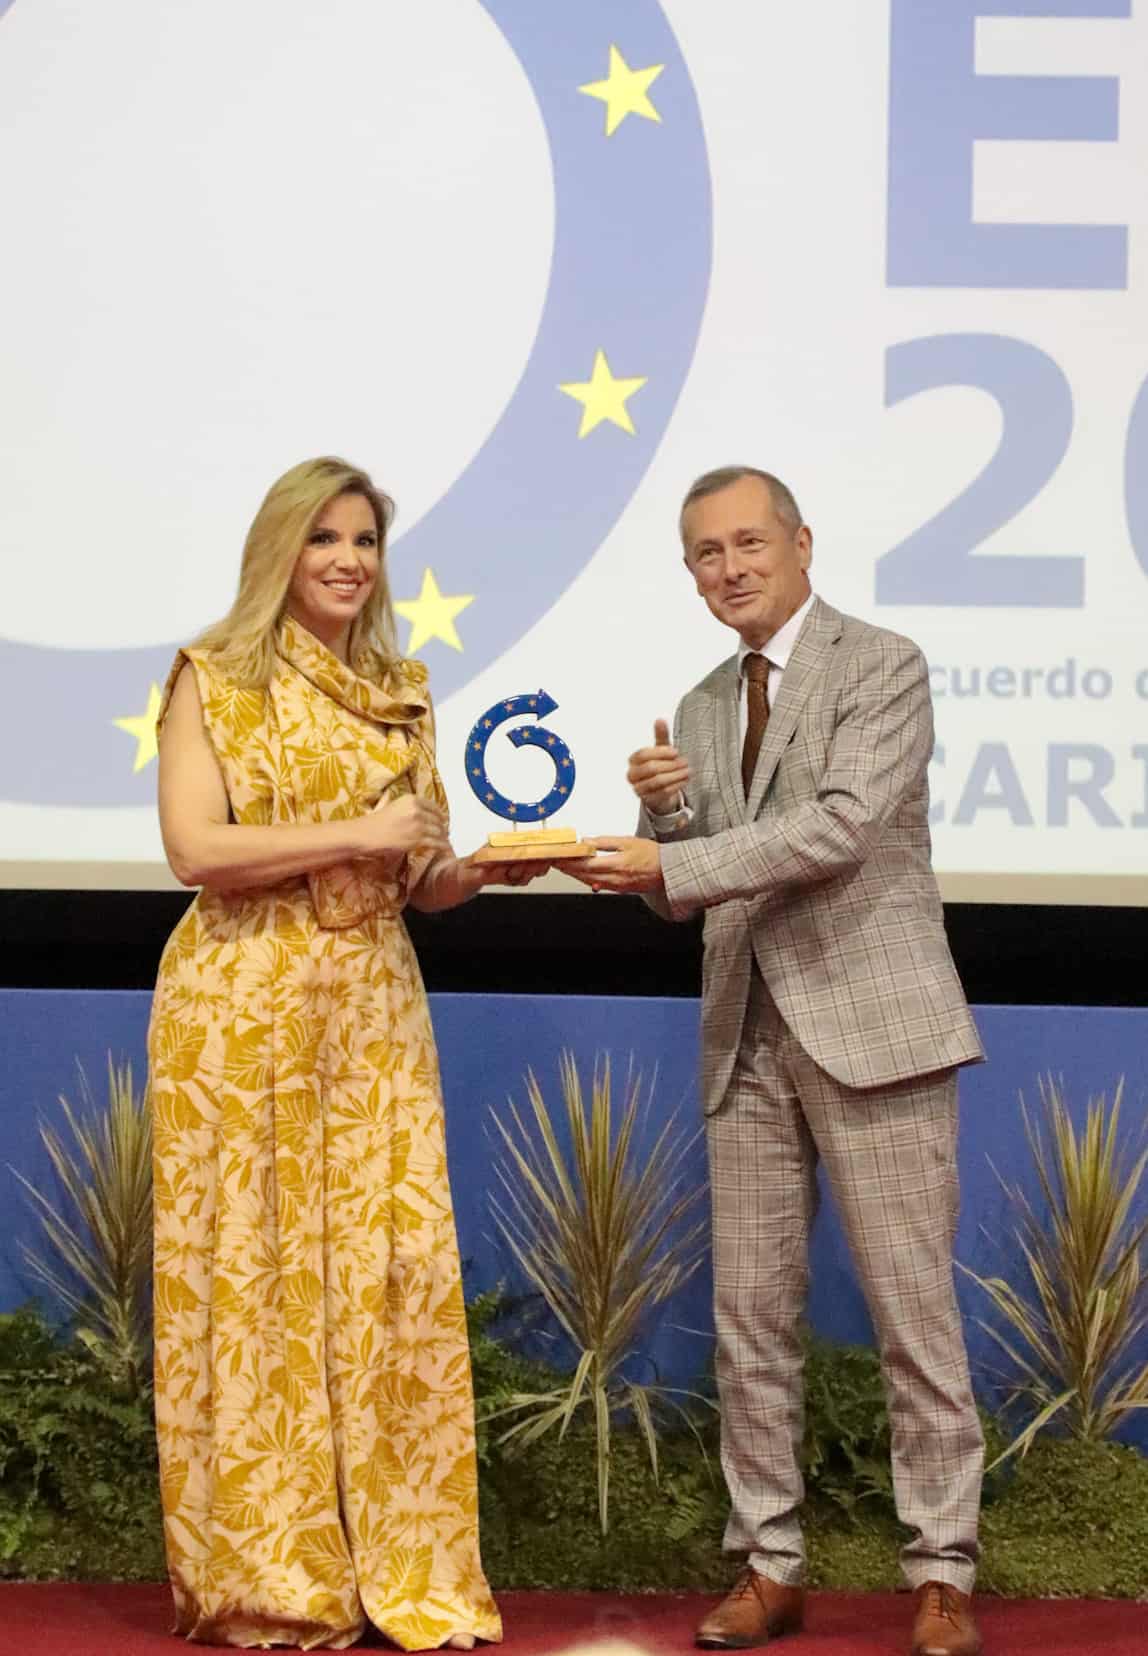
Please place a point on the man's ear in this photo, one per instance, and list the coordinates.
(804, 540)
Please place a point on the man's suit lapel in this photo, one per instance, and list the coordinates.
(727, 744)
(807, 662)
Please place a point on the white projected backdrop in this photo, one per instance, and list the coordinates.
(241, 234)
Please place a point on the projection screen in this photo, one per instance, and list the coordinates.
(536, 266)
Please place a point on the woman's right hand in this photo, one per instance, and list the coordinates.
(401, 825)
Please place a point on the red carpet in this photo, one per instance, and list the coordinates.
(102, 1620)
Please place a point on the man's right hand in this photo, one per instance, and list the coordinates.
(659, 774)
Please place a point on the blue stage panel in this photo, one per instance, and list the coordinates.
(488, 1043)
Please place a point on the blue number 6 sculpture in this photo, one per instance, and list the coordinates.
(522, 736)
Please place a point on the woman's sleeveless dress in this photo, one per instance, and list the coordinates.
(313, 1392)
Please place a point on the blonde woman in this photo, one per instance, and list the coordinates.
(313, 1395)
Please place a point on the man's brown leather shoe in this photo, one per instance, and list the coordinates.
(756, 1611)
(944, 1624)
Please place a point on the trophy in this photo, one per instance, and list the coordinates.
(524, 844)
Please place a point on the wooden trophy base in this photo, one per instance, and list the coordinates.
(534, 845)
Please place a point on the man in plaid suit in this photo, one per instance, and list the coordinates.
(792, 807)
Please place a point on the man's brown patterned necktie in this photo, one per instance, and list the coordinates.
(757, 714)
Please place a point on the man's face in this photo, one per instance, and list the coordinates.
(748, 565)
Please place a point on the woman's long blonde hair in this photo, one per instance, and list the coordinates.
(244, 641)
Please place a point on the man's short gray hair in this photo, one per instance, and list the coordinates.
(712, 482)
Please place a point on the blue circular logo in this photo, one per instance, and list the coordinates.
(619, 326)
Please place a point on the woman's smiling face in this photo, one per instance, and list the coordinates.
(336, 571)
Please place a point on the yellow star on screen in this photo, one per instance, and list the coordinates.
(142, 727)
(603, 397)
(624, 91)
(432, 614)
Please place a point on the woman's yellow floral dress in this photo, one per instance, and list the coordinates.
(313, 1393)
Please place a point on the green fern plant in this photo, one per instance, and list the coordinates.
(606, 1238)
(96, 1251)
(1069, 1331)
(77, 1458)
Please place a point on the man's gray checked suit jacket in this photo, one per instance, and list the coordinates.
(824, 873)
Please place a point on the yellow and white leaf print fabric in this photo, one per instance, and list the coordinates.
(313, 1396)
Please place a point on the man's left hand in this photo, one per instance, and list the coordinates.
(629, 864)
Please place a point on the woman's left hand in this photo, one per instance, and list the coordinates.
(517, 873)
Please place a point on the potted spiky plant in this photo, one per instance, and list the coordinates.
(1070, 1329)
(606, 1234)
(96, 1252)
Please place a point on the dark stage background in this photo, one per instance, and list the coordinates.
(1007, 954)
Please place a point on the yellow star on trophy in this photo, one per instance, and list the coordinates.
(624, 91)
(142, 727)
(603, 397)
(432, 615)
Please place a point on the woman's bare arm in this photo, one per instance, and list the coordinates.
(205, 848)
(448, 880)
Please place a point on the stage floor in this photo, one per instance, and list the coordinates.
(108, 1620)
